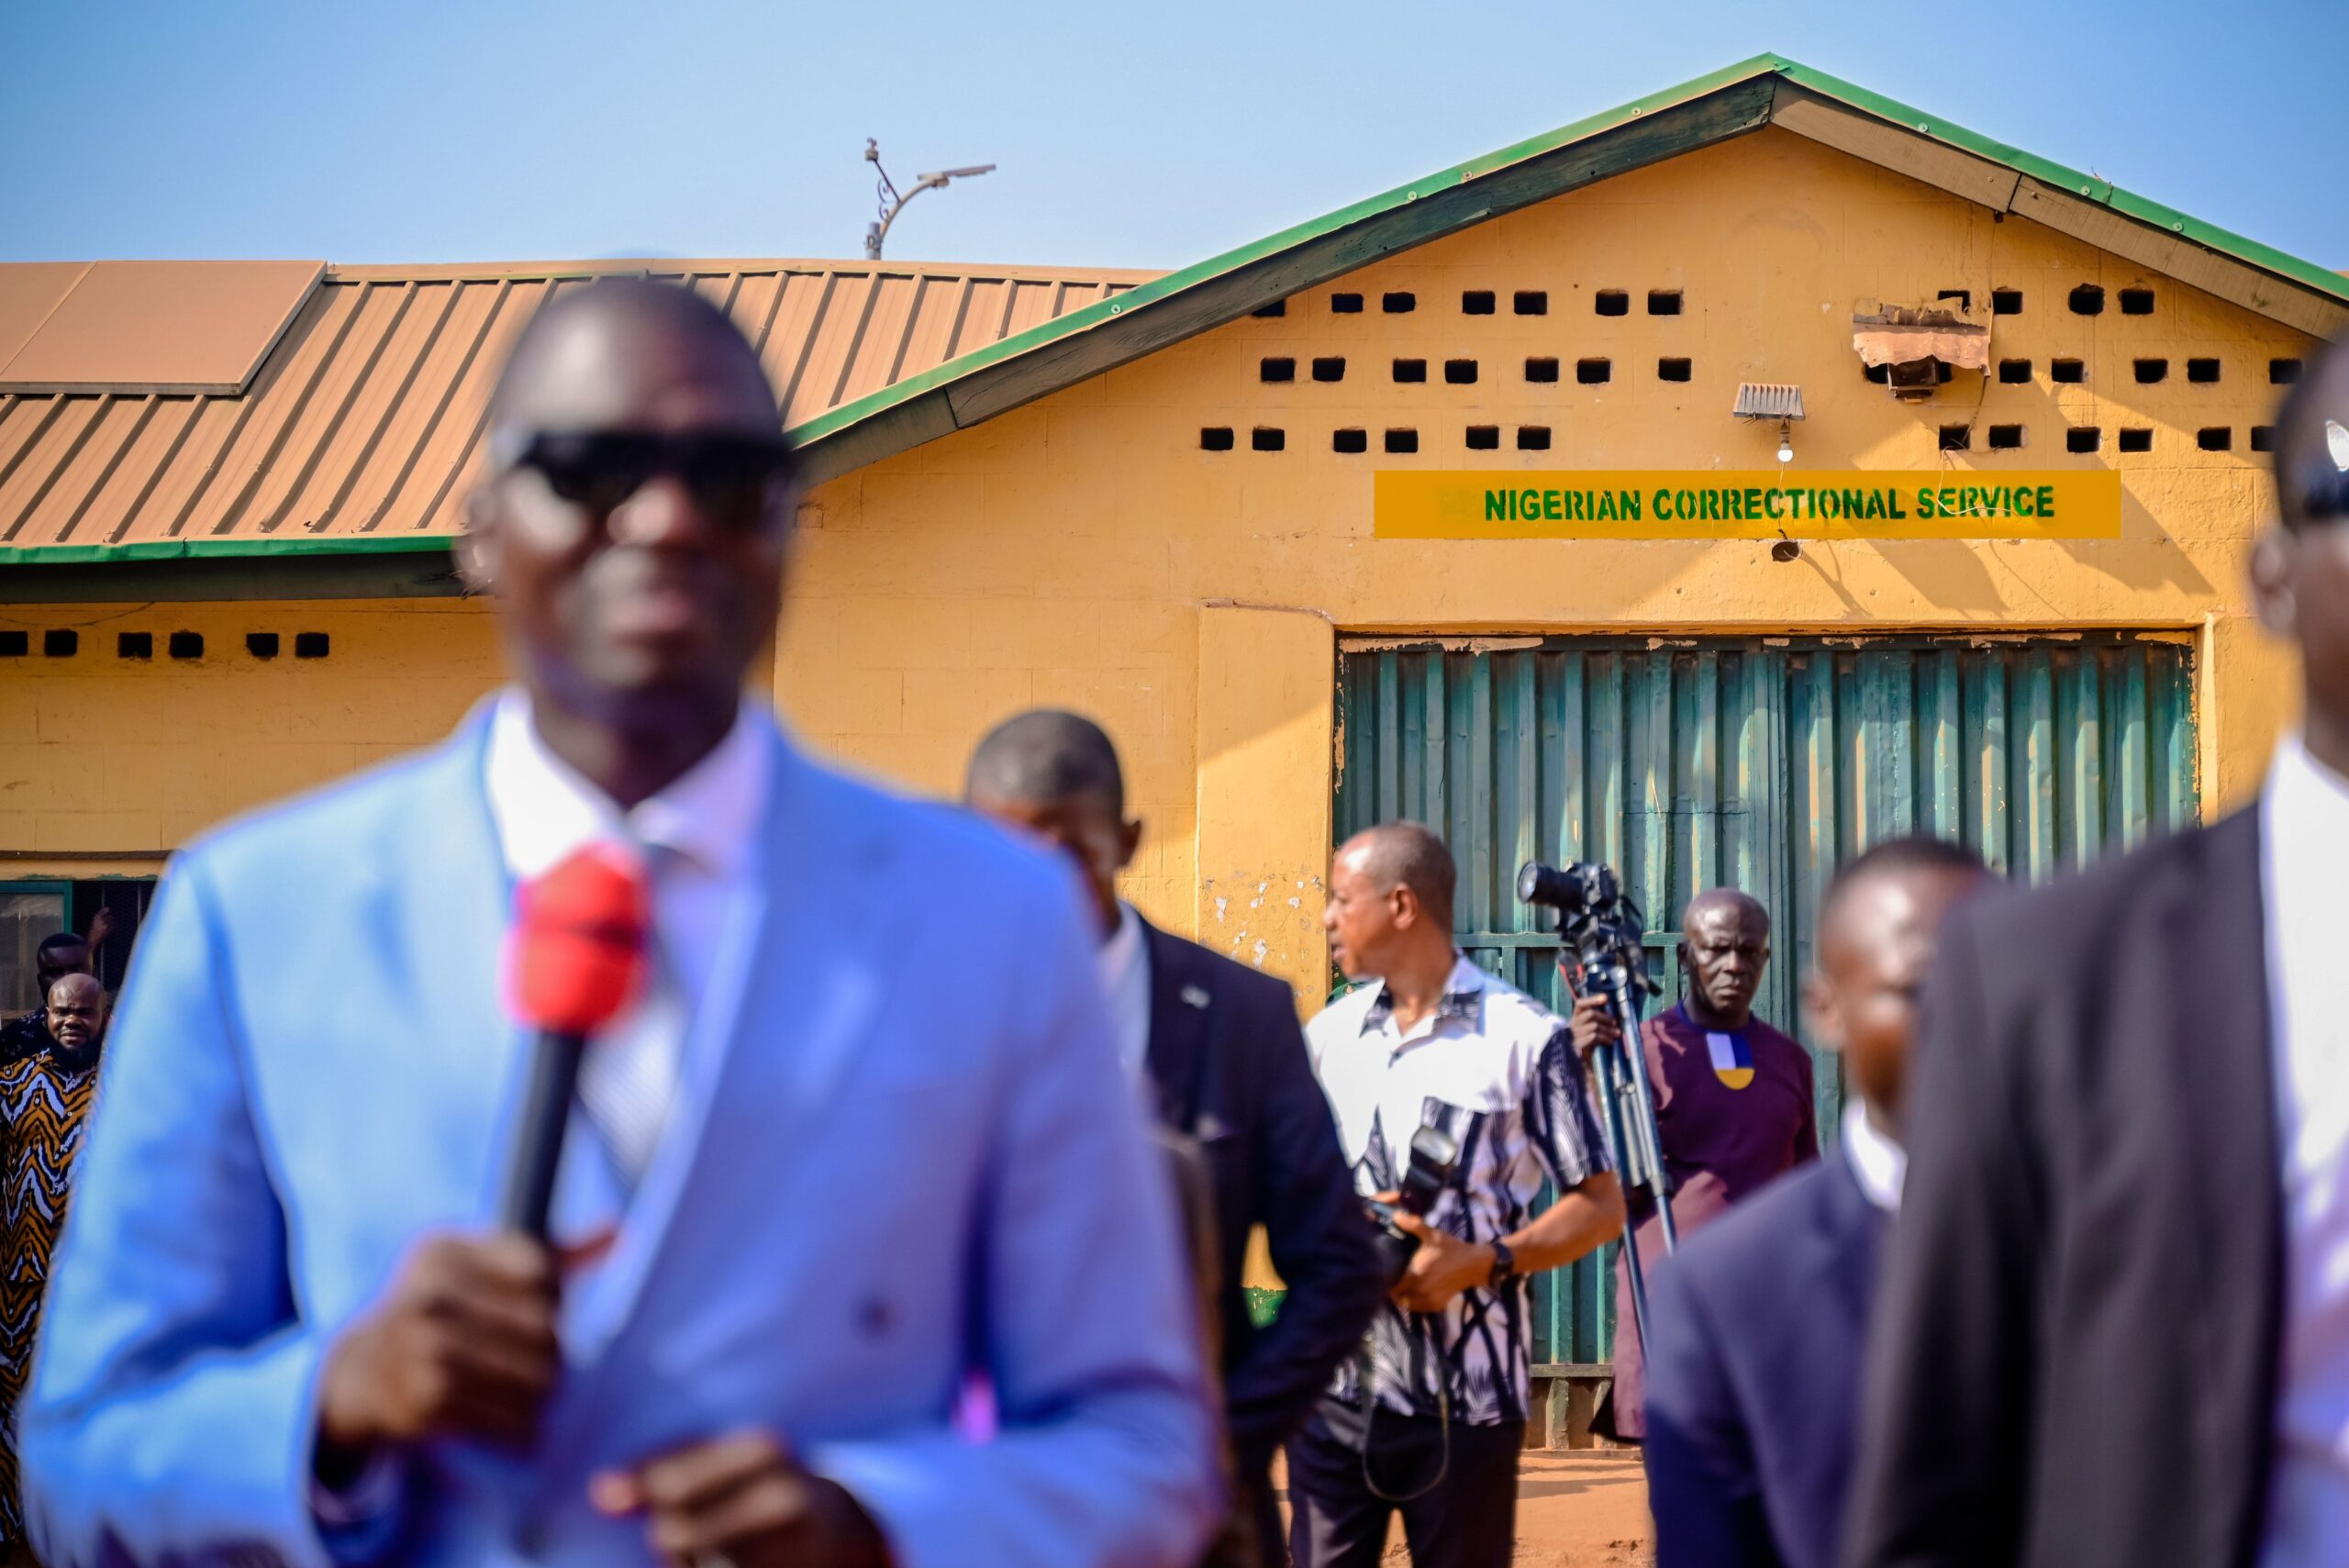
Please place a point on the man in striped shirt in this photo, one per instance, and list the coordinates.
(1430, 1417)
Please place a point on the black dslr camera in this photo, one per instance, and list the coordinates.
(1570, 889)
(1596, 922)
(1433, 1153)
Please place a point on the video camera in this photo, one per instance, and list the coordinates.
(1604, 934)
(1434, 1152)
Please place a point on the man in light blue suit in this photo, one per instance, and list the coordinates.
(864, 1135)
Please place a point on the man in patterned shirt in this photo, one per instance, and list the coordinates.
(1431, 1417)
(44, 1100)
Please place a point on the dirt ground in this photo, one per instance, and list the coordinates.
(1584, 1509)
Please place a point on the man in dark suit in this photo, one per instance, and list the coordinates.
(1753, 1363)
(2112, 1328)
(1218, 1048)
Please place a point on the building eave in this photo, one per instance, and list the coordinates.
(1767, 90)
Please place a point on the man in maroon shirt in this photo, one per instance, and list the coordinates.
(1732, 1101)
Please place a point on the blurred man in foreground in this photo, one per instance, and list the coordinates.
(1218, 1047)
(1734, 1105)
(44, 1099)
(1758, 1325)
(1430, 1417)
(2114, 1325)
(848, 1144)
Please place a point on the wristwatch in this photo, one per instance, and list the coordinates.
(1503, 1263)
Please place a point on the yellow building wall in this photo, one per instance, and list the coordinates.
(102, 755)
(1080, 551)
(1086, 551)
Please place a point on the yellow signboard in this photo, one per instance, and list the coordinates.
(2080, 503)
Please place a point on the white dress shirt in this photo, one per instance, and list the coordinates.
(1125, 976)
(1878, 1165)
(701, 832)
(708, 821)
(2305, 845)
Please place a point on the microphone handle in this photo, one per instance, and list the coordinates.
(538, 1144)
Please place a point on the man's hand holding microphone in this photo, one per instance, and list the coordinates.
(463, 1345)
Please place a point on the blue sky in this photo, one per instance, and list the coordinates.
(510, 129)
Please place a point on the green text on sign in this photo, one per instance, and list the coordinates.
(1666, 504)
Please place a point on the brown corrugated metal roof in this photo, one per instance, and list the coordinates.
(365, 418)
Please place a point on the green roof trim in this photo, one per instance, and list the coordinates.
(198, 549)
(1761, 68)
(1143, 295)
(2049, 173)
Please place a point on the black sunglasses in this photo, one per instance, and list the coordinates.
(729, 474)
(2324, 497)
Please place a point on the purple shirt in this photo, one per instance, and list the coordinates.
(1719, 1143)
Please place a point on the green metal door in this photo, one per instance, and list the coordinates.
(1761, 762)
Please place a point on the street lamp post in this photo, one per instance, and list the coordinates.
(892, 204)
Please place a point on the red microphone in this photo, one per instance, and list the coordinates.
(575, 961)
